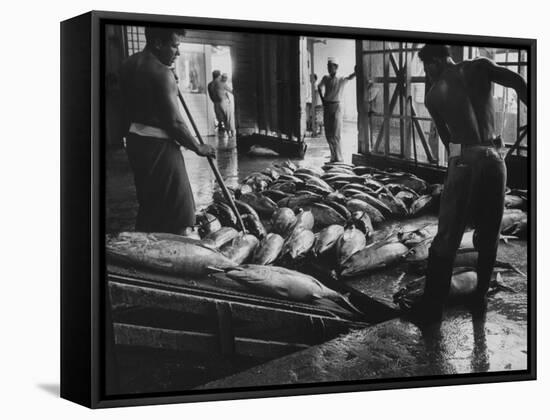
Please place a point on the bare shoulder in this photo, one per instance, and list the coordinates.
(161, 76)
(477, 66)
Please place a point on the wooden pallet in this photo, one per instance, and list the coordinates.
(214, 316)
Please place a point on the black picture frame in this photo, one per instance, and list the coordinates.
(83, 212)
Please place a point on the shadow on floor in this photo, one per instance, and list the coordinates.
(52, 389)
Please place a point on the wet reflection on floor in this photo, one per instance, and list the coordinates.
(120, 192)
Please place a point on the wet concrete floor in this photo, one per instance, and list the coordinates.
(121, 204)
(462, 343)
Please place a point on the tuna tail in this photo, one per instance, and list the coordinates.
(512, 267)
(345, 302)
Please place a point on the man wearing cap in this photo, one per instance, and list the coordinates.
(331, 91)
(460, 102)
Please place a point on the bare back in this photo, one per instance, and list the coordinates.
(461, 99)
(146, 84)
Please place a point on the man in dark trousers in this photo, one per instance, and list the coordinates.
(156, 134)
(460, 103)
(331, 91)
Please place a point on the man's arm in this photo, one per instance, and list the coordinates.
(171, 117)
(209, 88)
(352, 75)
(506, 77)
(441, 126)
(228, 89)
(320, 90)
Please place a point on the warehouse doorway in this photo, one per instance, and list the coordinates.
(316, 55)
(194, 69)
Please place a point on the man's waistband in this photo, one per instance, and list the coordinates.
(456, 149)
(148, 131)
(331, 102)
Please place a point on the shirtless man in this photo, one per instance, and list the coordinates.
(218, 93)
(331, 91)
(157, 131)
(461, 105)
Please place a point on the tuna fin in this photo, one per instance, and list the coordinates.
(506, 238)
(215, 269)
(512, 267)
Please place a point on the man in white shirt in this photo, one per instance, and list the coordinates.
(331, 91)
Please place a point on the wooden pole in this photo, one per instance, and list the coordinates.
(215, 169)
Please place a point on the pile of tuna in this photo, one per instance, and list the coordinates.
(337, 215)
(340, 216)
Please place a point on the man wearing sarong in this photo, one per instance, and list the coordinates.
(460, 103)
(331, 91)
(156, 133)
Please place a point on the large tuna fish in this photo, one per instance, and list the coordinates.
(263, 205)
(315, 189)
(208, 223)
(463, 285)
(362, 221)
(220, 237)
(272, 173)
(282, 220)
(325, 215)
(172, 254)
(418, 256)
(310, 171)
(300, 200)
(269, 249)
(340, 208)
(314, 180)
(284, 186)
(410, 181)
(512, 201)
(279, 282)
(275, 195)
(375, 202)
(419, 252)
(351, 241)
(304, 220)
(254, 226)
(354, 205)
(240, 248)
(224, 213)
(421, 205)
(514, 222)
(327, 238)
(298, 244)
(397, 207)
(291, 178)
(372, 258)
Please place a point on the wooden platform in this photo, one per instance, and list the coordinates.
(215, 314)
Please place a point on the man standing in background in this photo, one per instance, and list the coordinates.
(218, 93)
(229, 105)
(331, 91)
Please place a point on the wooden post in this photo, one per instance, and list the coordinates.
(387, 110)
(363, 145)
(406, 113)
